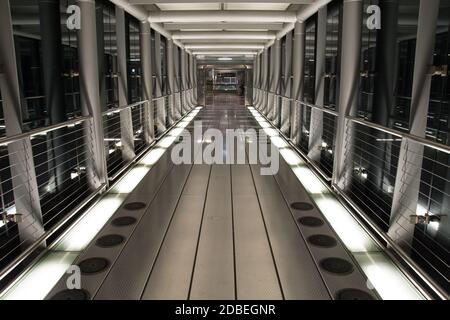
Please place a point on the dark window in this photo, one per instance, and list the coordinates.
(332, 54)
(133, 59)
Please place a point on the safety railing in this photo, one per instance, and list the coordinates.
(177, 112)
(46, 175)
(123, 135)
(398, 183)
(138, 118)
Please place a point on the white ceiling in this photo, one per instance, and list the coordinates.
(225, 26)
(222, 6)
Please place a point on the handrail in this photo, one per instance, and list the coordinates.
(36, 244)
(118, 109)
(394, 132)
(406, 262)
(418, 270)
(321, 108)
(21, 136)
(425, 142)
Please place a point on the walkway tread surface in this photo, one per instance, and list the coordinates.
(216, 232)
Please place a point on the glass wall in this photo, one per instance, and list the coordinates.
(373, 157)
(154, 76)
(133, 59)
(286, 64)
(165, 81)
(309, 79)
(332, 54)
(108, 50)
(48, 74)
(333, 36)
(432, 241)
(29, 61)
(310, 60)
(384, 98)
(29, 39)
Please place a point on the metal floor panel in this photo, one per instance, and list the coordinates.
(293, 192)
(171, 274)
(129, 274)
(214, 266)
(298, 273)
(152, 182)
(256, 275)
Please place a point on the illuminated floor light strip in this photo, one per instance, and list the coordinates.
(152, 157)
(37, 282)
(41, 278)
(348, 229)
(90, 224)
(291, 157)
(130, 180)
(386, 278)
(279, 142)
(309, 180)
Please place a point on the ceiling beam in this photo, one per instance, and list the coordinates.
(224, 26)
(224, 53)
(223, 35)
(229, 41)
(146, 2)
(141, 14)
(223, 46)
(216, 16)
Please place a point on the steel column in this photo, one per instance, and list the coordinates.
(264, 79)
(285, 104)
(99, 7)
(126, 123)
(384, 100)
(147, 81)
(407, 181)
(23, 175)
(188, 78)
(159, 104)
(89, 94)
(194, 79)
(276, 63)
(184, 106)
(191, 77)
(348, 97)
(316, 124)
(171, 80)
(158, 64)
(52, 67)
(298, 59)
(177, 91)
(255, 63)
(258, 81)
